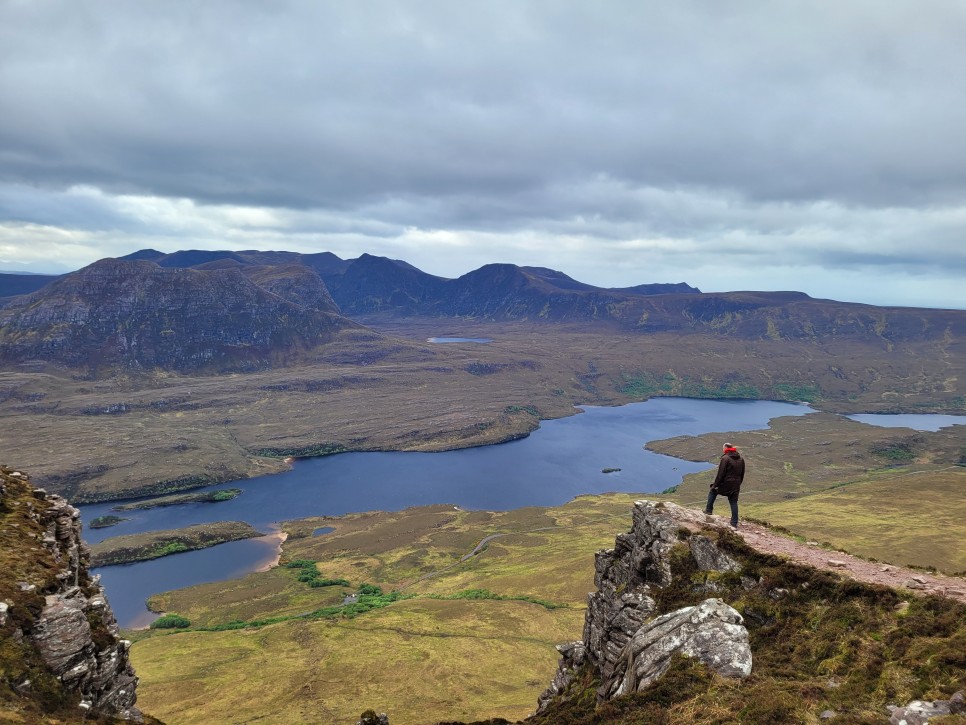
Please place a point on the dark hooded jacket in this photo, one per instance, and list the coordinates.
(731, 472)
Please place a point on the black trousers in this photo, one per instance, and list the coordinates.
(732, 501)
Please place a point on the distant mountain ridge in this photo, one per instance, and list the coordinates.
(200, 309)
(370, 284)
(22, 283)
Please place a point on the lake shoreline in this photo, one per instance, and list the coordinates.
(563, 458)
(287, 461)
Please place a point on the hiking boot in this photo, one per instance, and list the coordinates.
(734, 524)
(708, 512)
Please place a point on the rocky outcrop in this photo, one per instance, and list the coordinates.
(369, 717)
(919, 712)
(711, 631)
(55, 612)
(572, 657)
(627, 642)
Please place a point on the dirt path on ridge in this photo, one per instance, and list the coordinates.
(811, 554)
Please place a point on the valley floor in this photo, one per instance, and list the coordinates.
(155, 433)
(477, 638)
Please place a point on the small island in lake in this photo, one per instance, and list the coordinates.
(102, 522)
(155, 544)
(224, 494)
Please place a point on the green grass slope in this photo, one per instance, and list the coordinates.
(476, 638)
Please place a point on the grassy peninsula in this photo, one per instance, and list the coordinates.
(155, 544)
(224, 494)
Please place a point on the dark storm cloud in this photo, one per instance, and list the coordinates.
(787, 132)
(338, 104)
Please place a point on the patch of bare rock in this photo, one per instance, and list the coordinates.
(919, 712)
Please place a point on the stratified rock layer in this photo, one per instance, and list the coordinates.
(58, 611)
(712, 631)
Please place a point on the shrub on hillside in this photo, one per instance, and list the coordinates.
(170, 621)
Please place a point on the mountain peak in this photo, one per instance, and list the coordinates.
(135, 314)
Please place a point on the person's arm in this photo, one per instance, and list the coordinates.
(722, 468)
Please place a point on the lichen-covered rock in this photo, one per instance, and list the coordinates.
(709, 557)
(572, 655)
(624, 574)
(711, 631)
(369, 717)
(919, 712)
(63, 636)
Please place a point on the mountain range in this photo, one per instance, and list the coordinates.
(236, 310)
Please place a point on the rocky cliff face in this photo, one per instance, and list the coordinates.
(295, 283)
(60, 655)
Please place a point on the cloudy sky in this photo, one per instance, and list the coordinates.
(730, 145)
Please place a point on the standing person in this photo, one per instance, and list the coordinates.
(731, 472)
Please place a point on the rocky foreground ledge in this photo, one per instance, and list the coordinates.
(627, 643)
(60, 655)
(818, 646)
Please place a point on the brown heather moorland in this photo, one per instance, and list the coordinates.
(163, 432)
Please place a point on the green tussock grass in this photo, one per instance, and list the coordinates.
(480, 594)
(461, 658)
(476, 640)
(309, 574)
(917, 519)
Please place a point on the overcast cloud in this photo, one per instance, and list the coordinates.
(739, 145)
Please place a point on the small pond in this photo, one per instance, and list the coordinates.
(916, 421)
(444, 340)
